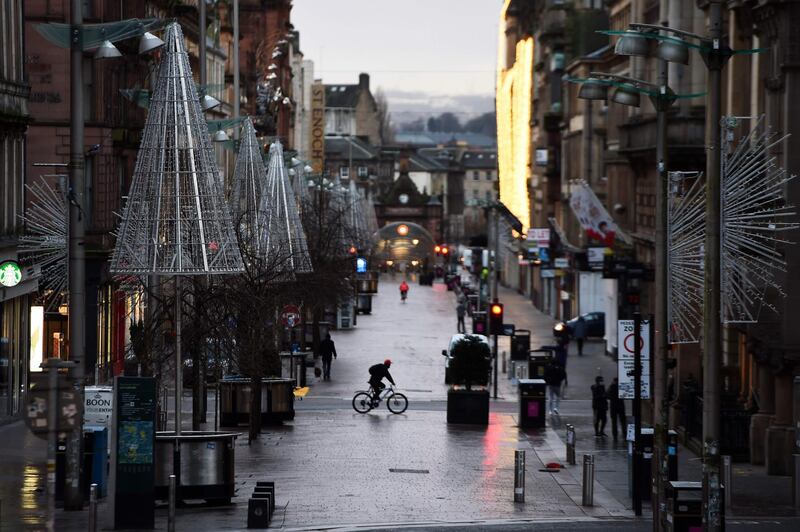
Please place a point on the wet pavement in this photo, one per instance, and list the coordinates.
(336, 469)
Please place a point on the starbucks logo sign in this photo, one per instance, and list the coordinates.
(10, 273)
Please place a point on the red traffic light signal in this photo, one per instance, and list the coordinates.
(437, 249)
(353, 250)
(445, 250)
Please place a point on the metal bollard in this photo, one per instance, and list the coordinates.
(504, 367)
(93, 508)
(171, 514)
(519, 476)
(727, 481)
(570, 444)
(796, 482)
(588, 480)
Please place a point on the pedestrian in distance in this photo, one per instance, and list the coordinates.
(461, 310)
(554, 375)
(560, 353)
(579, 333)
(600, 407)
(327, 349)
(617, 408)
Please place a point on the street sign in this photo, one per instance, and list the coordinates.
(561, 262)
(509, 329)
(291, 317)
(625, 335)
(38, 404)
(98, 403)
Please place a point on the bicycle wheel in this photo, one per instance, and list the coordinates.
(397, 403)
(362, 402)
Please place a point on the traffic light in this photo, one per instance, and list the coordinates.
(445, 250)
(496, 318)
(437, 249)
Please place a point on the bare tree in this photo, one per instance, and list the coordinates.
(384, 117)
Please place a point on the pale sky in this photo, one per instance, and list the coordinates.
(425, 54)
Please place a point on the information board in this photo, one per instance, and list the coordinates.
(98, 404)
(134, 452)
(625, 364)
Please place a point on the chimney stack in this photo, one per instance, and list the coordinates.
(363, 81)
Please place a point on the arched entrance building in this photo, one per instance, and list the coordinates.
(404, 242)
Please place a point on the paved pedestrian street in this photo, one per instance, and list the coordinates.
(335, 469)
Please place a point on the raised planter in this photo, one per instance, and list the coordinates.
(204, 469)
(468, 407)
(277, 401)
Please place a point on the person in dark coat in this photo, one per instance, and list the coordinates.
(617, 408)
(600, 407)
(579, 333)
(554, 375)
(377, 373)
(327, 350)
(461, 309)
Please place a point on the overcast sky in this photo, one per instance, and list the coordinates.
(427, 55)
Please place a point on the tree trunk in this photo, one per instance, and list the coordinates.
(197, 399)
(255, 408)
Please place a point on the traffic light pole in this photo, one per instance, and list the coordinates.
(494, 262)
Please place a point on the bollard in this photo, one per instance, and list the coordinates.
(727, 481)
(171, 511)
(93, 508)
(570, 444)
(796, 482)
(504, 362)
(588, 480)
(519, 476)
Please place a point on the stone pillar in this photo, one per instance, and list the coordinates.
(780, 435)
(761, 421)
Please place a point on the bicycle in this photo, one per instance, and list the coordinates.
(363, 401)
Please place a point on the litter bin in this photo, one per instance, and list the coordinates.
(520, 344)
(95, 460)
(293, 366)
(684, 506)
(532, 407)
(646, 440)
(538, 359)
(364, 303)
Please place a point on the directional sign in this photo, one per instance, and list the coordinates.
(508, 329)
(625, 336)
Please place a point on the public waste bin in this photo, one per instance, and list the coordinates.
(532, 403)
(684, 506)
(520, 344)
(538, 359)
(95, 460)
(364, 303)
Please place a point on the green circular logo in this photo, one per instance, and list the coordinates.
(10, 273)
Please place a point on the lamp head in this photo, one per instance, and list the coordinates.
(149, 42)
(674, 52)
(626, 97)
(633, 43)
(107, 50)
(220, 136)
(208, 102)
(592, 89)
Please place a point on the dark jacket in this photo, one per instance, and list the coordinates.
(599, 398)
(327, 349)
(554, 374)
(378, 372)
(617, 404)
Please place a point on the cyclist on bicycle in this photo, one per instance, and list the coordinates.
(376, 375)
(403, 290)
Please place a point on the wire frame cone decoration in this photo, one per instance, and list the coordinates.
(249, 184)
(284, 239)
(339, 205)
(755, 216)
(175, 221)
(357, 218)
(300, 185)
(45, 240)
(685, 240)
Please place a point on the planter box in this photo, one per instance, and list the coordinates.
(468, 407)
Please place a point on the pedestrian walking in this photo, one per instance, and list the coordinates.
(560, 354)
(461, 310)
(579, 333)
(600, 407)
(554, 375)
(328, 351)
(617, 409)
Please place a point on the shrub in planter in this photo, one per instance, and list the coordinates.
(469, 366)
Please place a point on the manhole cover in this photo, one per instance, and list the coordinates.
(420, 471)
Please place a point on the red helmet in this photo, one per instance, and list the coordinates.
(387, 362)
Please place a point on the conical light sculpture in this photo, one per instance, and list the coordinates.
(175, 221)
(284, 238)
(249, 184)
